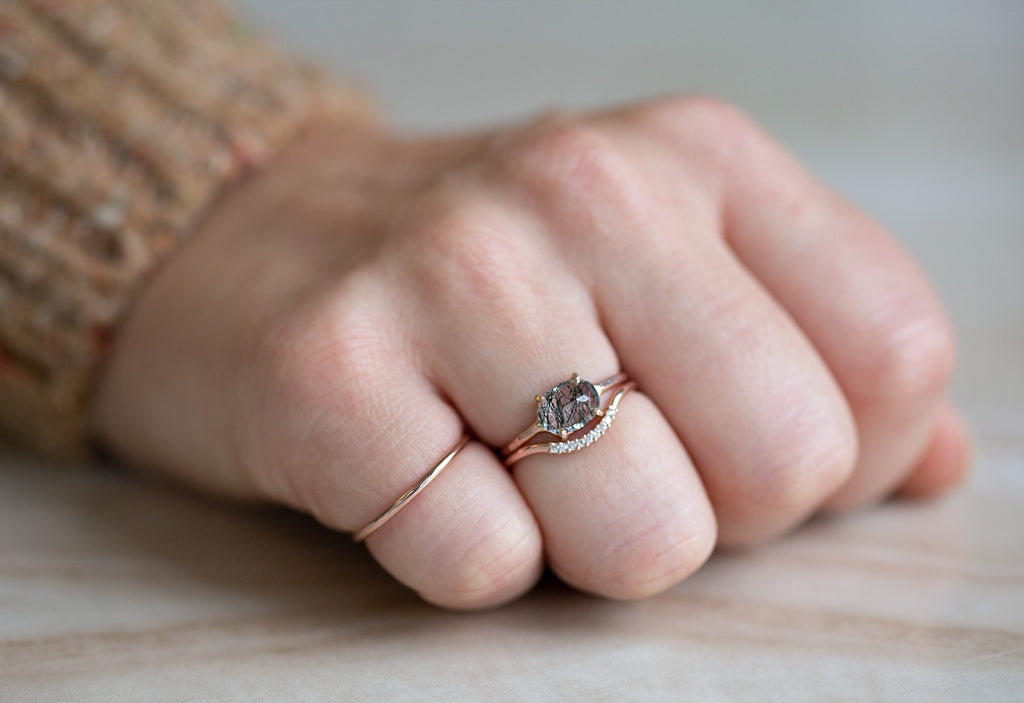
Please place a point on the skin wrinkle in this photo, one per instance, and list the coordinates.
(305, 395)
(693, 540)
(448, 505)
(327, 493)
(702, 134)
(650, 581)
(577, 197)
(802, 435)
(471, 584)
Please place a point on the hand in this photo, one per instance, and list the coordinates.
(337, 320)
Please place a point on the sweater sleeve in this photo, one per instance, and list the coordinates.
(121, 121)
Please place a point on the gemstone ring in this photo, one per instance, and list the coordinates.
(568, 411)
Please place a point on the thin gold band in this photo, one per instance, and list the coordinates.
(404, 499)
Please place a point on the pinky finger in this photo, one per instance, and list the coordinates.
(946, 461)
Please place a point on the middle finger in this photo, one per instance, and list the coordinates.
(625, 517)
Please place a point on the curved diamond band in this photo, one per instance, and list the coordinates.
(567, 409)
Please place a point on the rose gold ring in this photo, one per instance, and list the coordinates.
(568, 411)
(403, 500)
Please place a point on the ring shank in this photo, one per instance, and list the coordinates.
(404, 499)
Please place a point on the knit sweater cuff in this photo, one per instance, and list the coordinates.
(120, 124)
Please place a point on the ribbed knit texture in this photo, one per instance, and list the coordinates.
(121, 121)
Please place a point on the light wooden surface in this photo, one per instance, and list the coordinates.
(113, 588)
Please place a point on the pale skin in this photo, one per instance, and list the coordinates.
(325, 335)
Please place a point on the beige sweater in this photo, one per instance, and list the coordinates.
(120, 123)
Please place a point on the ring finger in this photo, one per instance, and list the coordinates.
(625, 517)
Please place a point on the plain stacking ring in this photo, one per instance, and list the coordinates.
(569, 408)
(404, 499)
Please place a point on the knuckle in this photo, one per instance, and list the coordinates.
(704, 130)
(912, 356)
(311, 351)
(471, 256)
(569, 163)
(307, 369)
(464, 251)
(809, 454)
(703, 114)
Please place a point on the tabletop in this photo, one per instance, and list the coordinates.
(114, 587)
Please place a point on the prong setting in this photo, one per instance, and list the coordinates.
(568, 407)
(574, 401)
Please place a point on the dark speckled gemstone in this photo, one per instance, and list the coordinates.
(567, 407)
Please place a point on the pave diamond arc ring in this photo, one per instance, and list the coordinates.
(567, 409)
